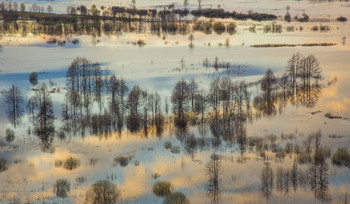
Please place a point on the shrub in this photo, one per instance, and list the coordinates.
(167, 145)
(204, 26)
(287, 17)
(155, 175)
(33, 78)
(81, 179)
(162, 188)
(3, 164)
(231, 28)
(341, 157)
(219, 27)
(58, 163)
(175, 149)
(61, 188)
(102, 192)
(71, 163)
(176, 198)
(122, 160)
(342, 19)
(10, 135)
(324, 28)
(61, 135)
(75, 41)
(305, 18)
(314, 28)
(141, 43)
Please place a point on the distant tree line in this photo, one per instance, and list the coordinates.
(221, 13)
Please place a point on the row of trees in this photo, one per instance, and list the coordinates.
(102, 103)
(298, 85)
(9, 6)
(14, 6)
(40, 110)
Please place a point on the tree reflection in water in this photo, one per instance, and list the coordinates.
(213, 186)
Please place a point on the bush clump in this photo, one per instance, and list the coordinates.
(219, 28)
(167, 145)
(341, 157)
(10, 135)
(61, 188)
(3, 164)
(33, 78)
(231, 28)
(71, 163)
(103, 192)
(203, 26)
(175, 149)
(122, 160)
(342, 19)
(58, 163)
(162, 188)
(176, 198)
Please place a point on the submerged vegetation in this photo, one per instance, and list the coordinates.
(102, 192)
(62, 188)
(3, 164)
(162, 188)
(210, 129)
(176, 198)
(69, 163)
(341, 157)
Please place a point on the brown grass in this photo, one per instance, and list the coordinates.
(293, 45)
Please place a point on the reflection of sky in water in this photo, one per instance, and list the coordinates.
(156, 67)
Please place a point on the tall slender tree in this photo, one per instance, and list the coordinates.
(14, 100)
(43, 115)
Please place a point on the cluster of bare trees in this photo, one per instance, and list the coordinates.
(318, 169)
(84, 85)
(88, 85)
(303, 70)
(298, 85)
(14, 6)
(11, 6)
(225, 106)
(103, 103)
(315, 177)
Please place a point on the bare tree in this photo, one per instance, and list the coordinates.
(213, 170)
(2, 6)
(185, 3)
(15, 6)
(266, 179)
(14, 100)
(135, 102)
(180, 99)
(22, 7)
(44, 115)
(49, 8)
(193, 86)
(294, 175)
(71, 10)
(199, 4)
(83, 10)
(268, 83)
(191, 38)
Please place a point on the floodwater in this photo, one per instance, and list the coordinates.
(157, 66)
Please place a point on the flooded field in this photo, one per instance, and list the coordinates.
(126, 108)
